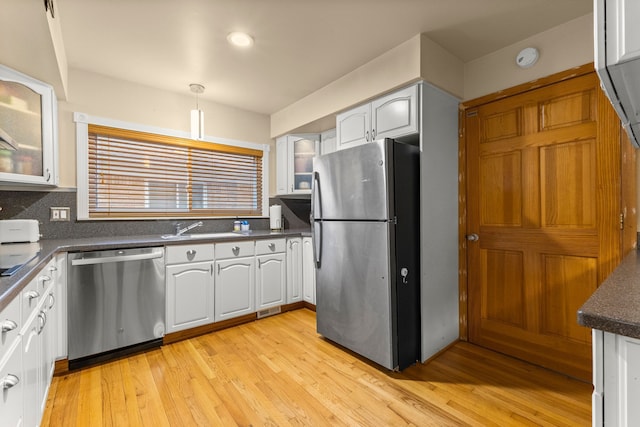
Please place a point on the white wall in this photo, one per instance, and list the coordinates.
(561, 48)
(111, 98)
(389, 70)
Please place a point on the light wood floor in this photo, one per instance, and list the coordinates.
(277, 371)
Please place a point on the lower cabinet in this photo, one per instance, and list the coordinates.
(308, 271)
(294, 269)
(271, 273)
(189, 286)
(31, 351)
(616, 373)
(235, 284)
(39, 349)
(12, 386)
(189, 295)
(235, 279)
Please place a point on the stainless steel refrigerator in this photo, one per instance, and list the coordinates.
(366, 235)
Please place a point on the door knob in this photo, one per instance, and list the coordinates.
(473, 237)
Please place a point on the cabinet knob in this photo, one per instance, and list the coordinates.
(9, 381)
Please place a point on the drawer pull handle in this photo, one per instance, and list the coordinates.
(272, 246)
(9, 381)
(31, 295)
(53, 268)
(45, 278)
(236, 250)
(9, 325)
(52, 301)
(42, 317)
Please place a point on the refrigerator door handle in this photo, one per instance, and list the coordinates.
(317, 243)
(316, 225)
(316, 191)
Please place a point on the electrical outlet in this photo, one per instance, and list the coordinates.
(60, 214)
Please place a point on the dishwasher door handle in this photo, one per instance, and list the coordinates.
(157, 253)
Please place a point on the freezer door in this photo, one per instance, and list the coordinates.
(353, 289)
(353, 183)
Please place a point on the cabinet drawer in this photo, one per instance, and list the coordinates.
(234, 249)
(45, 277)
(10, 325)
(30, 297)
(188, 253)
(270, 246)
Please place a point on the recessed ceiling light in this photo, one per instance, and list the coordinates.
(240, 39)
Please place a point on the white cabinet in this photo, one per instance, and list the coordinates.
(294, 269)
(308, 271)
(390, 116)
(12, 385)
(38, 343)
(616, 374)
(29, 131)
(271, 273)
(294, 158)
(622, 32)
(60, 279)
(189, 286)
(31, 355)
(49, 332)
(11, 373)
(282, 166)
(235, 279)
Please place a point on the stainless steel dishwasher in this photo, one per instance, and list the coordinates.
(116, 303)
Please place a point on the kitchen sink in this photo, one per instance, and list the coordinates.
(213, 235)
(203, 235)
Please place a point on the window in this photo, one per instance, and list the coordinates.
(134, 174)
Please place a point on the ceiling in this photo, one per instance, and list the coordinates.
(300, 45)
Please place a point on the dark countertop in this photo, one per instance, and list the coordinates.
(615, 306)
(11, 286)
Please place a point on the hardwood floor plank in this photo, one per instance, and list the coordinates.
(278, 371)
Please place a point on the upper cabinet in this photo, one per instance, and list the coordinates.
(28, 130)
(617, 59)
(294, 154)
(390, 116)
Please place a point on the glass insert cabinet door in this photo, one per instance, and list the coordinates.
(28, 130)
(304, 149)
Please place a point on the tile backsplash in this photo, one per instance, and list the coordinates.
(37, 204)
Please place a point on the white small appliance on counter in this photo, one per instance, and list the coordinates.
(19, 231)
(18, 244)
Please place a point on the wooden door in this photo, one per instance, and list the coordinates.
(543, 196)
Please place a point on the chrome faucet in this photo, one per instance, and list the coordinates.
(181, 231)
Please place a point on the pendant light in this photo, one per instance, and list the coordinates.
(197, 115)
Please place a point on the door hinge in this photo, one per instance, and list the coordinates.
(621, 221)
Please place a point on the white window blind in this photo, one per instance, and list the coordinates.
(139, 174)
